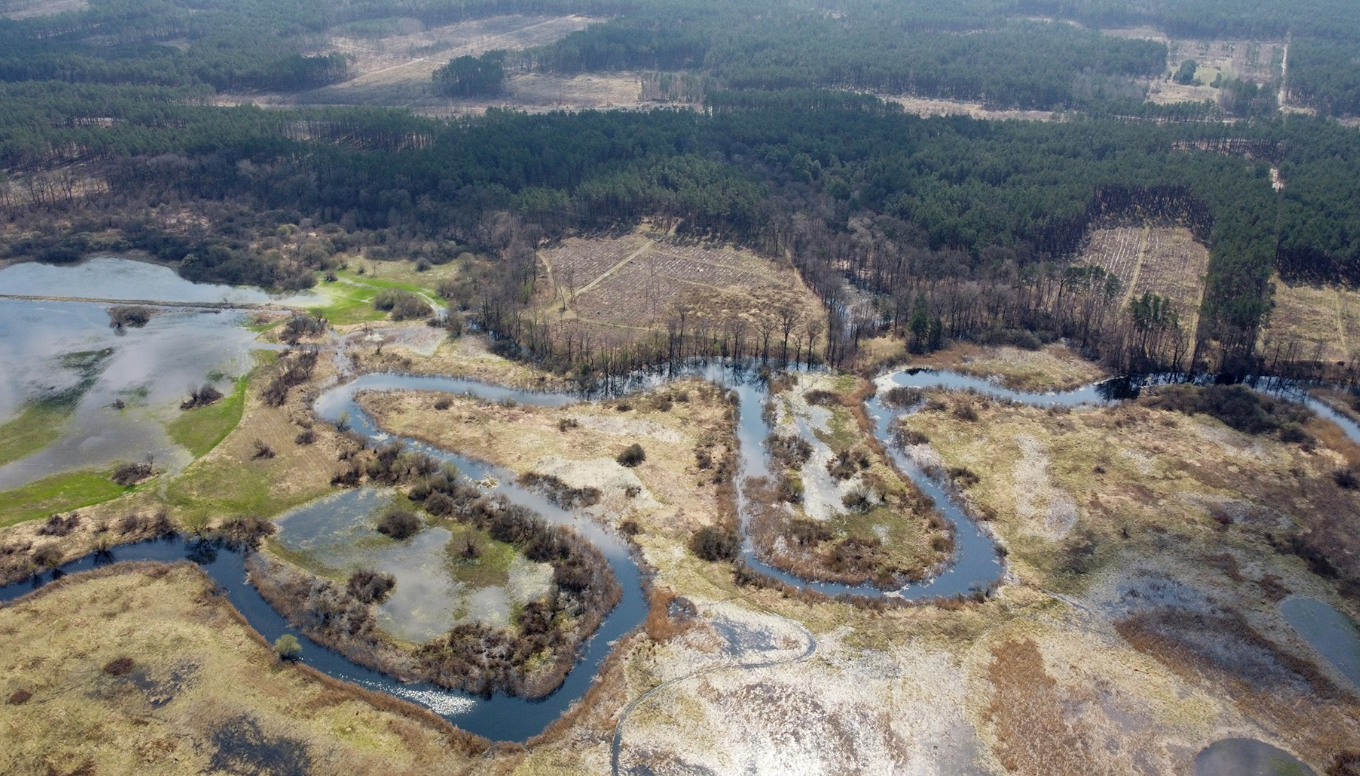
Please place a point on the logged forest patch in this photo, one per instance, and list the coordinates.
(392, 60)
(929, 106)
(1217, 62)
(27, 9)
(1164, 261)
(1312, 323)
(624, 288)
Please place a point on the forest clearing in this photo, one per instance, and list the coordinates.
(1315, 323)
(626, 287)
(1166, 261)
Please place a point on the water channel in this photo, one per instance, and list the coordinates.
(976, 565)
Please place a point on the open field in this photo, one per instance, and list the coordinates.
(1159, 260)
(201, 693)
(350, 296)
(1313, 323)
(25, 9)
(927, 106)
(392, 65)
(1051, 368)
(1096, 672)
(671, 494)
(631, 285)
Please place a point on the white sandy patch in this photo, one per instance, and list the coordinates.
(629, 427)
(1044, 509)
(529, 581)
(606, 474)
(845, 711)
(823, 495)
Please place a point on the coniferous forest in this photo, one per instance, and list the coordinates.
(789, 151)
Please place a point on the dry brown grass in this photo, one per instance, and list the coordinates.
(922, 106)
(1242, 59)
(677, 496)
(396, 69)
(1158, 260)
(1036, 729)
(1051, 368)
(1220, 651)
(1313, 323)
(24, 9)
(1071, 491)
(626, 287)
(197, 671)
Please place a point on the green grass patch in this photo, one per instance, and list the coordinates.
(38, 425)
(491, 569)
(350, 298)
(202, 428)
(34, 428)
(58, 493)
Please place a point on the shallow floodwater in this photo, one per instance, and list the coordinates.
(1328, 631)
(339, 534)
(50, 349)
(1248, 757)
(108, 277)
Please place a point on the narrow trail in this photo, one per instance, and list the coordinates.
(152, 302)
(1138, 264)
(1284, 74)
(616, 747)
(647, 246)
(1339, 307)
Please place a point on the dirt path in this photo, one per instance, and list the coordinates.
(617, 745)
(1340, 308)
(1284, 74)
(1138, 265)
(151, 302)
(647, 246)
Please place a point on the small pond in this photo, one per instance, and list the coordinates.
(1328, 631)
(1248, 757)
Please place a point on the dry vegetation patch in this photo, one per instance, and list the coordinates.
(667, 492)
(1313, 323)
(1137, 478)
(626, 287)
(1166, 261)
(196, 680)
(1050, 368)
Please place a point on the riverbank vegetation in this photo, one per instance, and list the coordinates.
(181, 684)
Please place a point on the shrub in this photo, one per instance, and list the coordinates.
(127, 474)
(262, 450)
(566, 424)
(906, 437)
(791, 488)
(859, 499)
(715, 544)
(246, 531)
(201, 397)
(370, 587)
(901, 396)
(287, 647)
(118, 666)
(965, 410)
(847, 463)
(305, 437)
(443, 403)
(439, 504)
(47, 556)
(134, 316)
(790, 451)
(1346, 478)
(821, 397)
(965, 477)
(57, 525)
(1237, 406)
(399, 524)
(19, 697)
(632, 455)
(703, 459)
